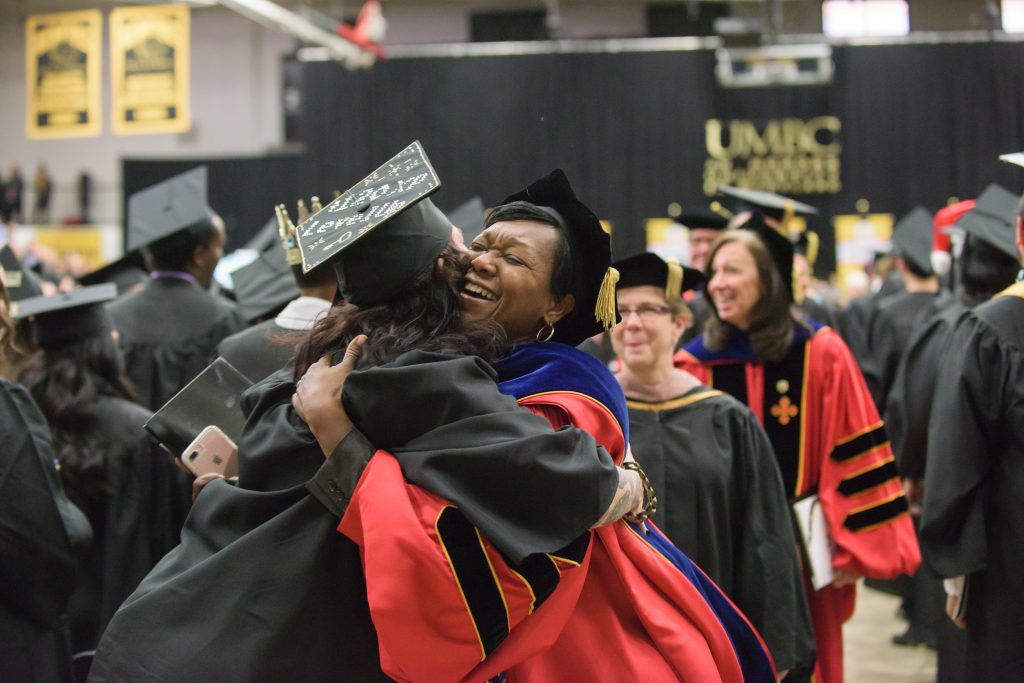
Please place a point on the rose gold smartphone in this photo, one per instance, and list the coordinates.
(212, 451)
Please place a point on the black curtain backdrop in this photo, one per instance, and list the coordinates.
(242, 190)
(920, 123)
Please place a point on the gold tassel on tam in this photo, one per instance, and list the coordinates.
(787, 216)
(605, 310)
(674, 282)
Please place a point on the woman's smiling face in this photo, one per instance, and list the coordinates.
(735, 284)
(509, 278)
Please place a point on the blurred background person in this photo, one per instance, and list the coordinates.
(110, 467)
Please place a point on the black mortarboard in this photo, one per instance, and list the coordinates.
(265, 238)
(469, 218)
(20, 282)
(69, 317)
(126, 272)
(701, 218)
(992, 219)
(168, 207)
(265, 285)
(650, 269)
(912, 238)
(770, 204)
(778, 245)
(590, 245)
(383, 233)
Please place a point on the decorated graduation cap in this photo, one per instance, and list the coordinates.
(992, 219)
(382, 234)
(912, 238)
(126, 272)
(69, 317)
(650, 269)
(19, 282)
(769, 204)
(703, 218)
(168, 207)
(469, 217)
(590, 246)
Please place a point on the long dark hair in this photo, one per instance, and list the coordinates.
(66, 383)
(428, 317)
(774, 318)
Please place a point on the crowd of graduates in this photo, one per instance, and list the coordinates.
(697, 407)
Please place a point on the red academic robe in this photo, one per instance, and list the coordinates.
(613, 605)
(828, 438)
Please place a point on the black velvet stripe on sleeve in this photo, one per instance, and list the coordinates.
(868, 480)
(473, 572)
(860, 444)
(876, 514)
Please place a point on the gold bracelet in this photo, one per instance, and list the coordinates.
(651, 503)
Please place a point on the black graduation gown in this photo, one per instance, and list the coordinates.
(253, 351)
(135, 520)
(889, 334)
(908, 406)
(263, 587)
(721, 501)
(169, 333)
(854, 323)
(37, 561)
(972, 522)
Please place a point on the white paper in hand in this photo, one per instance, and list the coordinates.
(810, 519)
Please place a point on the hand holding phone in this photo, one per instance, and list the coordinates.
(211, 452)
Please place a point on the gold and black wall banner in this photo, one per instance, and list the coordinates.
(789, 156)
(63, 54)
(149, 69)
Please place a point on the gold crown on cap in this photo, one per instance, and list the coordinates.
(286, 229)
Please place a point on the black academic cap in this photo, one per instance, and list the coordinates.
(992, 219)
(168, 207)
(650, 269)
(19, 282)
(126, 272)
(912, 238)
(469, 218)
(265, 238)
(701, 218)
(69, 317)
(770, 204)
(265, 285)
(778, 245)
(383, 233)
(595, 309)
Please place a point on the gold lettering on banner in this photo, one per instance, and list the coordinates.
(790, 156)
(149, 65)
(63, 55)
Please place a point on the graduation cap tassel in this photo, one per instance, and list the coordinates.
(674, 282)
(605, 310)
(787, 216)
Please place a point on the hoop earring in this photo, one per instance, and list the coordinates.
(548, 336)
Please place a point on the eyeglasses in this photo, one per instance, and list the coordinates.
(647, 312)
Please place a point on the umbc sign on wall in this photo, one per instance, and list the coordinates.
(788, 156)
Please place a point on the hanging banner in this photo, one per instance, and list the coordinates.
(149, 69)
(63, 58)
(788, 156)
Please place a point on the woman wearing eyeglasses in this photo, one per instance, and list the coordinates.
(719, 490)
